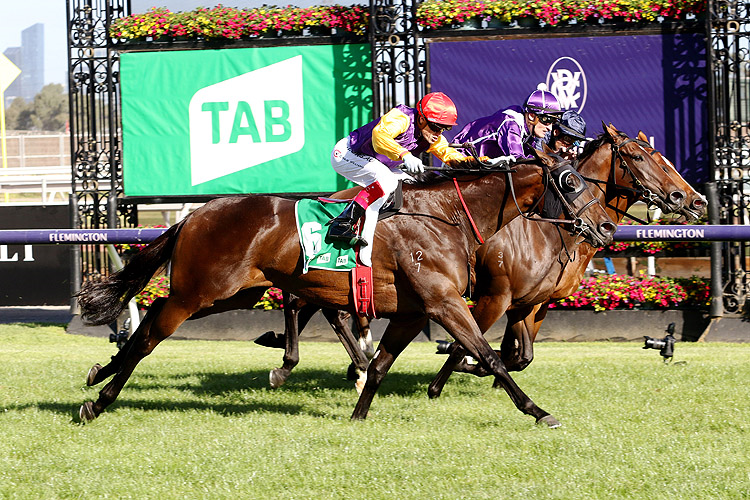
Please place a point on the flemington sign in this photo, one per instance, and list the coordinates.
(261, 120)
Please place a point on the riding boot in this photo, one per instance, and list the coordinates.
(342, 227)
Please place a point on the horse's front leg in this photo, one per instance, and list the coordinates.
(337, 319)
(488, 310)
(396, 337)
(454, 316)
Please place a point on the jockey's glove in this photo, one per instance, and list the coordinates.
(413, 164)
(500, 160)
(468, 162)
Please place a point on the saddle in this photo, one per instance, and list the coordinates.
(390, 208)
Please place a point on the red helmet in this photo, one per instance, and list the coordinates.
(438, 108)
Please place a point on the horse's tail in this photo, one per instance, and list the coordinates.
(102, 301)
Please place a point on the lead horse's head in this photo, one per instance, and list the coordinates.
(695, 204)
(636, 172)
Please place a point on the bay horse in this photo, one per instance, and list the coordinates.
(508, 281)
(228, 252)
(650, 176)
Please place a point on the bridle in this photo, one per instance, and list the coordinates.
(638, 189)
(579, 226)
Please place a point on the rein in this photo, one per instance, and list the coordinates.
(468, 213)
(578, 225)
(638, 189)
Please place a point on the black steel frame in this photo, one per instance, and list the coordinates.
(728, 34)
(95, 141)
(400, 75)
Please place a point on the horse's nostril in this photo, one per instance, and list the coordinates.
(607, 228)
(677, 197)
(698, 203)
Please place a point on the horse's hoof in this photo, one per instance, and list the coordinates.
(551, 422)
(91, 376)
(86, 412)
(276, 379)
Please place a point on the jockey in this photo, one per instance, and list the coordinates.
(566, 135)
(512, 131)
(372, 155)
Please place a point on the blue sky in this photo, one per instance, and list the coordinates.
(15, 16)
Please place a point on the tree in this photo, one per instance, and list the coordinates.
(50, 108)
(48, 111)
(18, 115)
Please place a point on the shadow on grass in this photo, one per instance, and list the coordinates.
(302, 380)
(210, 385)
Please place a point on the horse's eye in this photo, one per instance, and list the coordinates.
(638, 157)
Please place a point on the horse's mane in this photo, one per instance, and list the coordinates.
(590, 147)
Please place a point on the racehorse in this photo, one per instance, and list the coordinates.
(298, 313)
(509, 280)
(225, 254)
(649, 176)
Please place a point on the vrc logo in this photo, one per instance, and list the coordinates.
(247, 120)
(567, 81)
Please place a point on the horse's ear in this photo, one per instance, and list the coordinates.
(642, 136)
(610, 130)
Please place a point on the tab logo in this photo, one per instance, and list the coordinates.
(246, 121)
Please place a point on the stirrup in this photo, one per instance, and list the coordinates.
(349, 237)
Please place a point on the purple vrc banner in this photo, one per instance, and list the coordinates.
(653, 83)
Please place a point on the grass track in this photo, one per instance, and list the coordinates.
(197, 420)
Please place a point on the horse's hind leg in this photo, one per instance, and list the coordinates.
(99, 373)
(154, 328)
(292, 307)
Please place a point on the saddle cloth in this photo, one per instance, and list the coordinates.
(312, 216)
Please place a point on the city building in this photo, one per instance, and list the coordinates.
(29, 57)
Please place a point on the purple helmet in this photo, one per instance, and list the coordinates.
(542, 102)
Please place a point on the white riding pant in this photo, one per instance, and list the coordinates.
(365, 170)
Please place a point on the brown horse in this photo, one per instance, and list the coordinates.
(526, 301)
(225, 254)
(298, 312)
(509, 280)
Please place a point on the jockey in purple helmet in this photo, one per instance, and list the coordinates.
(511, 131)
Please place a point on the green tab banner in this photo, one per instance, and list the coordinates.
(254, 120)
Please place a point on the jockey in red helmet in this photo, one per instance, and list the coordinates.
(372, 156)
(511, 131)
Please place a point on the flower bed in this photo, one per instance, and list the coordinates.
(600, 293)
(446, 13)
(616, 291)
(231, 23)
